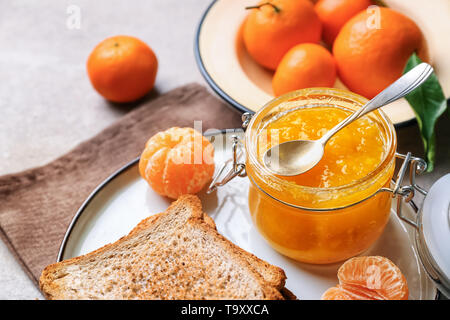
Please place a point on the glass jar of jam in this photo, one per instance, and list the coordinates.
(340, 207)
(335, 210)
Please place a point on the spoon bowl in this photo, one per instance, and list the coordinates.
(286, 159)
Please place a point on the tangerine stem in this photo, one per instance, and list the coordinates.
(277, 10)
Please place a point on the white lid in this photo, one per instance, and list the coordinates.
(436, 223)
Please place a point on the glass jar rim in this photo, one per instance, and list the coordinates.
(355, 98)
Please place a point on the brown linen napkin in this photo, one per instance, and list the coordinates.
(37, 205)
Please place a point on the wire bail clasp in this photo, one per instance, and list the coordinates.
(407, 192)
(237, 167)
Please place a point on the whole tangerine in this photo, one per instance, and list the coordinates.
(372, 49)
(122, 68)
(306, 65)
(335, 13)
(177, 161)
(273, 27)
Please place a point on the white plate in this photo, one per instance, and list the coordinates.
(124, 199)
(230, 71)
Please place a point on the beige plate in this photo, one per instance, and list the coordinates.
(239, 80)
(124, 199)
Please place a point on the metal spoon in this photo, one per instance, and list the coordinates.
(298, 156)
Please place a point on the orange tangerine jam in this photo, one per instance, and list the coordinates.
(351, 154)
(335, 210)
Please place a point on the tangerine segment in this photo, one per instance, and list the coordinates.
(376, 276)
(336, 293)
(369, 278)
(177, 161)
(341, 293)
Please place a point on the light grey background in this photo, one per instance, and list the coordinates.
(48, 105)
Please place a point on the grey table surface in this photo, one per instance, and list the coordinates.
(48, 105)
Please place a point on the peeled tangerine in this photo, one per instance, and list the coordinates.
(177, 161)
(369, 278)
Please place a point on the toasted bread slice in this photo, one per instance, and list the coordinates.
(273, 275)
(173, 255)
(287, 294)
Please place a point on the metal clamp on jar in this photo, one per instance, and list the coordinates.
(349, 219)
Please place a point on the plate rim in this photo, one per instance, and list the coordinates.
(205, 73)
(86, 202)
(219, 91)
(114, 175)
(99, 188)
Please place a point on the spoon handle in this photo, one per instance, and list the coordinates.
(398, 89)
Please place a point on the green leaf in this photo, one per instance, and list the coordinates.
(428, 102)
